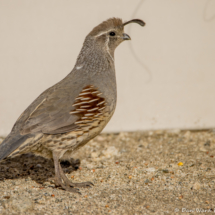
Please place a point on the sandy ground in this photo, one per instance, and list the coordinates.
(155, 172)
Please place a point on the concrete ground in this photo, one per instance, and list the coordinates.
(154, 172)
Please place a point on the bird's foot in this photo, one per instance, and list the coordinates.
(59, 183)
(70, 189)
(62, 181)
(67, 182)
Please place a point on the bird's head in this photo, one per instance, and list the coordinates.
(110, 33)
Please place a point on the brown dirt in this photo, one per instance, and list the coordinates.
(155, 172)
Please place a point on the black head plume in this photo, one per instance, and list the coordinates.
(138, 21)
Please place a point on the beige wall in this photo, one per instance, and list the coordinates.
(165, 74)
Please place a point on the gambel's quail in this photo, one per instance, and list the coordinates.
(76, 109)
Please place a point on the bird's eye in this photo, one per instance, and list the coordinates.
(112, 33)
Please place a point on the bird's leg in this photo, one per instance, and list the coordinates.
(69, 183)
(58, 179)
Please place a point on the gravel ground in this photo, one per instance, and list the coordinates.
(154, 172)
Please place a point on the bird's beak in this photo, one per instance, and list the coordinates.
(126, 37)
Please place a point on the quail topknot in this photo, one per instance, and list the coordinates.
(76, 109)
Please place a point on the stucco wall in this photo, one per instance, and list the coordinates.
(165, 74)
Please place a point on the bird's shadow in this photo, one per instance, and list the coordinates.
(37, 168)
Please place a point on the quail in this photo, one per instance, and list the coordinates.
(76, 109)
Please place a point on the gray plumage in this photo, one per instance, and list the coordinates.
(76, 109)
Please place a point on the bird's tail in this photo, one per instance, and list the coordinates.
(11, 143)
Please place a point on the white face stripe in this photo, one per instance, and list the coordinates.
(104, 32)
(101, 34)
(107, 48)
